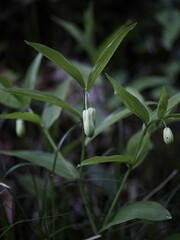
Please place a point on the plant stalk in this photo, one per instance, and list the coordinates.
(82, 190)
(116, 197)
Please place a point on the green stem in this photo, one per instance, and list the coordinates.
(116, 197)
(48, 136)
(140, 143)
(56, 148)
(82, 190)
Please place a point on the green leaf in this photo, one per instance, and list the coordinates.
(148, 82)
(114, 117)
(107, 159)
(60, 60)
(31, 117)
(52, 112)
(162, 105)
(4, 80)
(109, 39)
(146, 210)
(45, 159)
(103, 178)
(107, 53)
(89, 25)
(44, 97)
(130, 101)
(35, 185)
(10, 101)
(173, 237)
(173, 101)
(31, 75)
(133, 145)
(72, 29)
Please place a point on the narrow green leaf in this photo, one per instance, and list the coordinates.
(173, 237)
(173, 102)
(15, 167)
(31, 117)
(5, 81)
(107, 53)
(10, 101)
(109, 40)
(114, 117)
(107, 159)
(130, 101)
(31, 75)
(72, 29)
(51, 112)
(44, 97)
(89, 25)
(133, 145)
(146, 82)
(163, 103)
(60, 60)
(146, 210)
(35, 185)
(44, 159)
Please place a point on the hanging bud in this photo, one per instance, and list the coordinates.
(89, 117)
(20, 128)
(168, 136)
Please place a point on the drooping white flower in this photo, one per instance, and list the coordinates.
(89, 118)
(168, 136)
(20, 128)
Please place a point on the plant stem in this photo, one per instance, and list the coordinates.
(117, 196)
(48, 136)
(82, 190)
(56, 148)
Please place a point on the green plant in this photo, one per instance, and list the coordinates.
(137, 147)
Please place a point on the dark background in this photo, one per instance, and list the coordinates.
(151, 49)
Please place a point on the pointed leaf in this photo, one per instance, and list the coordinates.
(146, 210)
(133, 145)
(107, 53)
(72, 29)
(31, 117)
(44, 97)
(162, 105)
(31, 75)
(9, 100)
(52, 112)
(110, 39)
(146, 82)
(130, 101)
(114, 117)
(38, 187)
(45, 159)
(173, 101)
(4, 80)
(60, 60)
(89, 25)
(107, 159)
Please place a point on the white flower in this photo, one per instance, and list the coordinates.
(20, 128)
(89, 116)
(168, 135)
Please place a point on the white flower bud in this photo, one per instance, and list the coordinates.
(89, 117)
(168, 135)
(20, 128)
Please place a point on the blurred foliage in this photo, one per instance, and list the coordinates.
(148, 59)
